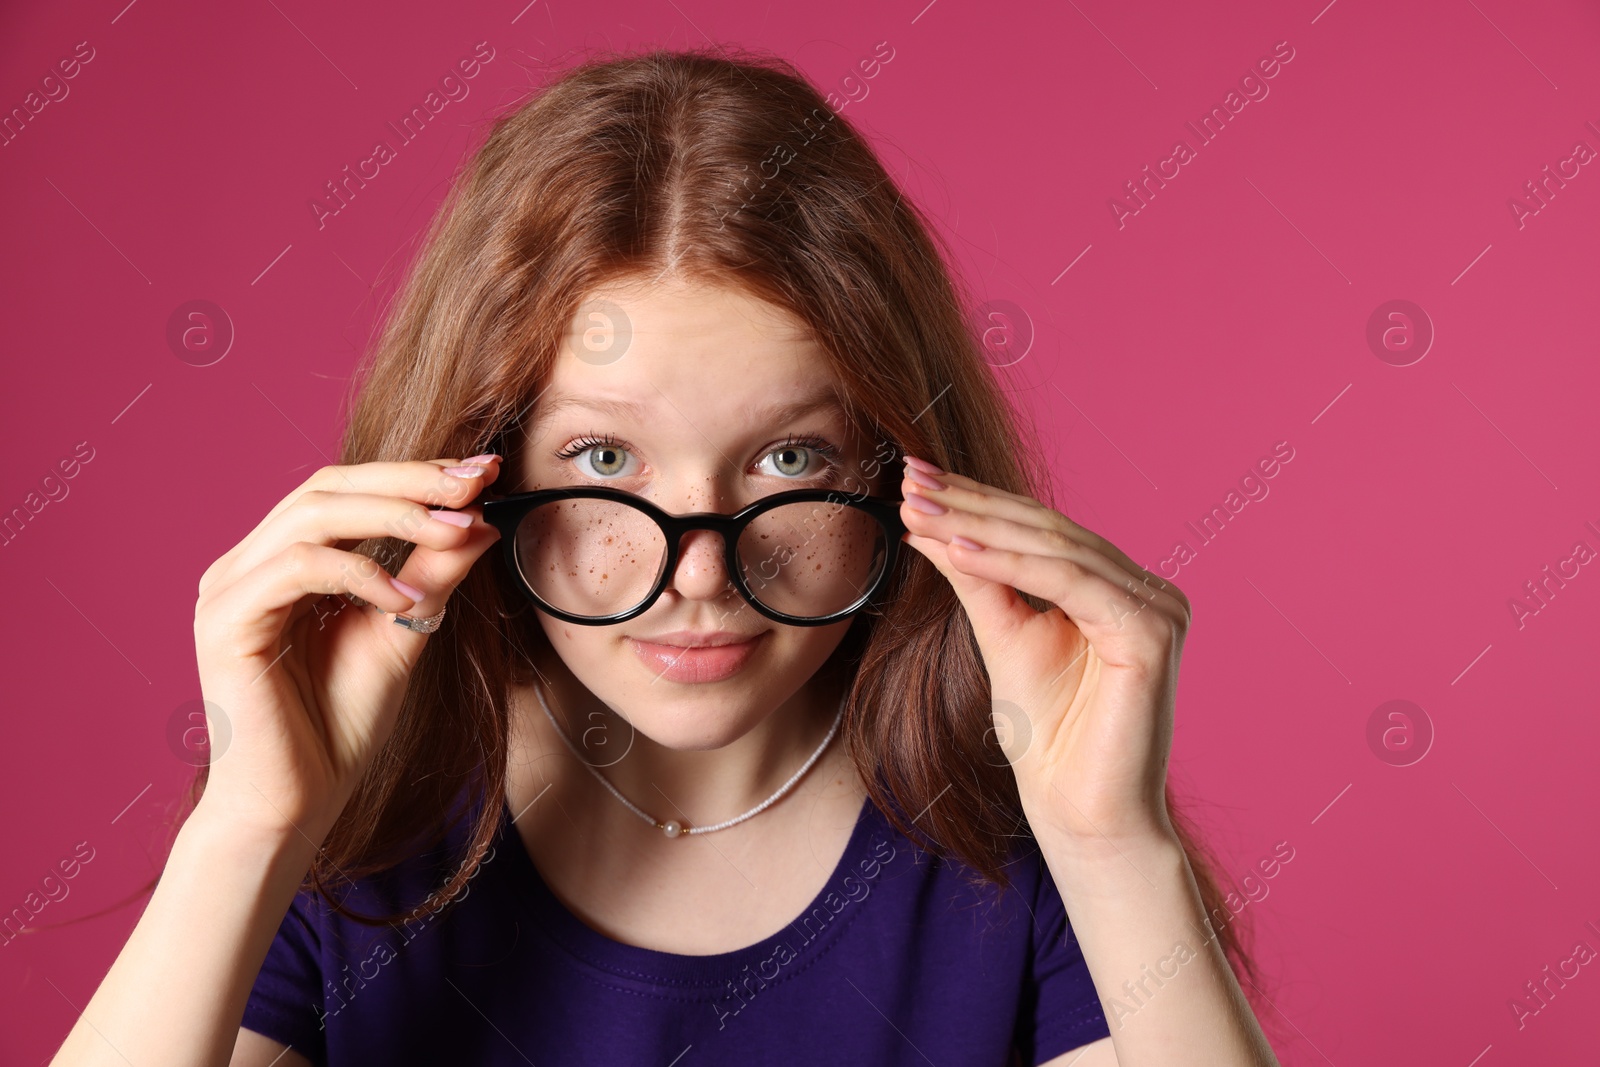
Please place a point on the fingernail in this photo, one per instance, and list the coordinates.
(454, 518)
(414, 593)
(924, 505)
(922, 465)
(485, 458)
(927, 481)
(465, 471)
(964, 542)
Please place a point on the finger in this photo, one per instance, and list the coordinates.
(965, 494)
(249, 615)
(421, 481)
(996, 533)
(1093, 602)
(1002, 521)
(436, 573)
(344, 519)
(962, 492)
(989, 604)
(961, 480)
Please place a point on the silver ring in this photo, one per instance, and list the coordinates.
(421, 626)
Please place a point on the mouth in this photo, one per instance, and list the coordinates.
(699, 638)
(697, 658)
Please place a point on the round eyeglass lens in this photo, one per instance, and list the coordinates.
(812, 558)
(590, 557)
(594, 558)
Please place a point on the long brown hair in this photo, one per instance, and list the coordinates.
(730, 170)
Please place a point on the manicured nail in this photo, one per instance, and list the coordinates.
(414, 593)
(454, 518)
(924, 505)
(927, 481)
(923, 465)
(964, 542)
(465, 471)
(485, 458)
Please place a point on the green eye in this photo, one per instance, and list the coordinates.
(606, 455)
(792, 459)
(602, 458)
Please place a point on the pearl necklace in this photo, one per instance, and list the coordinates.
(672, 827)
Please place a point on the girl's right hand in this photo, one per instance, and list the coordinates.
(311, 687)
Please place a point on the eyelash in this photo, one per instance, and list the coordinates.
(821, 445)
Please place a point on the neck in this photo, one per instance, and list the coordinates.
(696, 787)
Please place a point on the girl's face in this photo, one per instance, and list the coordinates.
(699, 398)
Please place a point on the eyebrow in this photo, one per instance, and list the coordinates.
(782, 412)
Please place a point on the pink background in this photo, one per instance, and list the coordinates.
(1230, 313)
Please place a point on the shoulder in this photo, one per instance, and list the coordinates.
(406, 893)
(949, 894)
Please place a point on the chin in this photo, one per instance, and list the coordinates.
(689, 723)
(692, 731)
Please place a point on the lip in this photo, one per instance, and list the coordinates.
(697, 663)
(699, 638)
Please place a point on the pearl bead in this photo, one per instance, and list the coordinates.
(672, 828)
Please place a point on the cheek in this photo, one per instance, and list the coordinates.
(804, 649)
(578, 646)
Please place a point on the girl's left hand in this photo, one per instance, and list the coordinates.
(1083, 695)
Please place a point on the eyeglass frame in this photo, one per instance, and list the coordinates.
(506, 515)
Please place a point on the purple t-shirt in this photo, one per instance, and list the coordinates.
(898, 960)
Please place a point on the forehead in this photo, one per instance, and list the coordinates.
(784, 409)
(694, 351)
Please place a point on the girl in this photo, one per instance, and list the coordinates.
(710, 731)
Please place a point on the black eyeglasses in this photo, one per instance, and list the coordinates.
(594, 555)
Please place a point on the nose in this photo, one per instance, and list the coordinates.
(702, 570)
